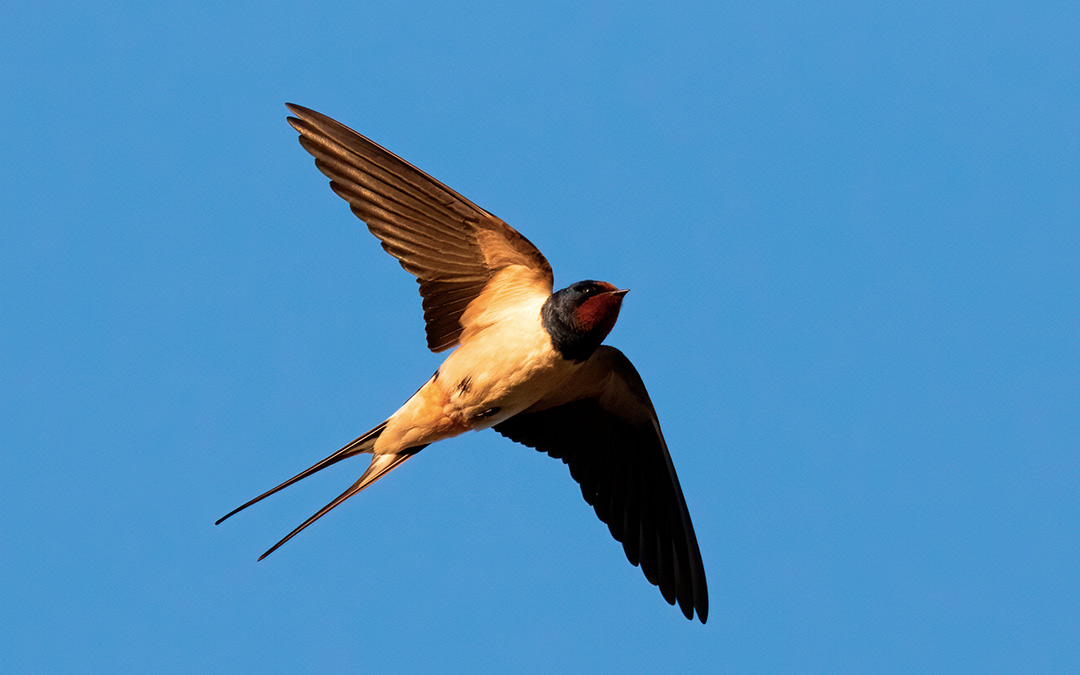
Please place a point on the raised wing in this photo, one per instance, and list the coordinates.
(603, 426)
(453, 247)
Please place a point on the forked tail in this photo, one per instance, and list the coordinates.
(379, 467)
(362, 444)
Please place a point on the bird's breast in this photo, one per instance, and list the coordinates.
(504, 370)
(501, 371)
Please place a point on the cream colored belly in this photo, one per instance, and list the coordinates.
(499, 373)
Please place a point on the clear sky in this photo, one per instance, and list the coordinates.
(852, 237)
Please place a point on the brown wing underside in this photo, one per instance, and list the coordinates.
(450, 245)
(603, 426)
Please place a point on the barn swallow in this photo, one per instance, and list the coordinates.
(528, 361)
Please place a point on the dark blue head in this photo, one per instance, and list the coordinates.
(580, 316)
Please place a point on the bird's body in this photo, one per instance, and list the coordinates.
(506, 364)
(528, 362)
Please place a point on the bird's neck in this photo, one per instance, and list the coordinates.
(577, 332)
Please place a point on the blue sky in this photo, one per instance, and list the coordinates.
(851, 234)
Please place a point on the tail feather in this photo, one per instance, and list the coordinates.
(379, 467)
(361, 444)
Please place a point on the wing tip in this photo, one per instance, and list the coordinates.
(299, 110)
(699, 605)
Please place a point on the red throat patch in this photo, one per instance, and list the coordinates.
(598, 313)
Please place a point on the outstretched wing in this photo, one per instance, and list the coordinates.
(603, 426)
(453, 247)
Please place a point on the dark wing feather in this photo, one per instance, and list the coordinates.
(450, 245)
(603, 426)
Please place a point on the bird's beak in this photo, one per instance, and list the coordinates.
(621, 292)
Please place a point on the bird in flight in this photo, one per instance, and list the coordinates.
(528, 361)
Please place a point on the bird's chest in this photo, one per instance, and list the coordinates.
(490, 380)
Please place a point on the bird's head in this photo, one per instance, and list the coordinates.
(580, 316)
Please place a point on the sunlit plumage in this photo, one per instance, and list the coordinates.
(528, 362)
